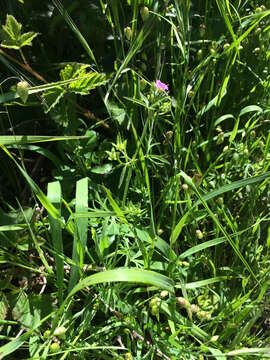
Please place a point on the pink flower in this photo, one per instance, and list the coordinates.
(161, 85)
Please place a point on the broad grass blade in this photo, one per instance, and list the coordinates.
(80, 233)
(54, 195)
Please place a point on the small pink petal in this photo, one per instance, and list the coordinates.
(161, 85)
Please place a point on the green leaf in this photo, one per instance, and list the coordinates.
(250, 108)
(125, 275)
(12, 27)
(26, 38)
(12, 37)
(10, 44)
(87, 80)
(53, 96)
(118, 114)
(102, 169)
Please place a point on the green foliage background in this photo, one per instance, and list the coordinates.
(134, 222)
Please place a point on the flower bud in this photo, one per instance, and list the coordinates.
(54, 347)
(203, 315)
(164, 294)
(199, 234)
(220, 138)
(128, 32)
(185, 263)
(202, 30)
(22, 90)
(143, 84)
(182, 302)
(60, 332)
(194, 308)
(214, 338)
(185, 186)
(47, 334)
(154, 301)
(197, 179)
(144, 11)
(199, 54)
(128, 356)
(155, 310)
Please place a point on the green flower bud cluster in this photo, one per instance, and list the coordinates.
(59, 334)
(154, 305)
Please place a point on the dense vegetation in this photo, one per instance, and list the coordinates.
(134, 200)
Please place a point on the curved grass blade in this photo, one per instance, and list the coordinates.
(125, 275)
(35, 188)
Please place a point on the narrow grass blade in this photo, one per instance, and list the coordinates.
(15, 344)
(218, 224)
(201, 247)
(54, 195)
(201, 283)
(37, 191)
(40, 150)
(36, 244)
(234, 185)
(80, 233)
(115, 207)
(29, 139)
(74, 28)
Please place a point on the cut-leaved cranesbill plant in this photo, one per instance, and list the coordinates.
(134, 199)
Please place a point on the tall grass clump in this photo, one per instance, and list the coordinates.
(134, 201)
